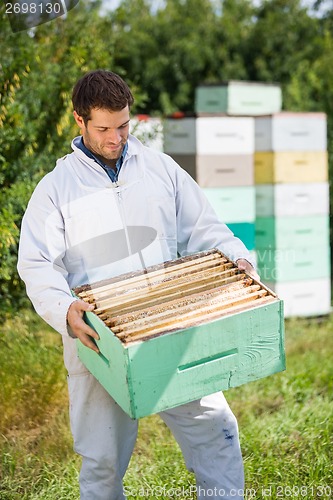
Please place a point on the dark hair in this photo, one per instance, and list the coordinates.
(100, 89)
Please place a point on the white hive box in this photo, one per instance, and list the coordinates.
(224, 135)
(292, 199)
(209, 135)
(304, 298)
(287, 131)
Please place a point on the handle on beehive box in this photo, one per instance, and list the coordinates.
(208, 359)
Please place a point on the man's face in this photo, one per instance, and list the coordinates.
(106, 133)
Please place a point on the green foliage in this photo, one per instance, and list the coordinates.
(13, 201)
(281, 38)
(231, 37)
(36, 125)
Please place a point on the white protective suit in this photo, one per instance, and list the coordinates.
(78, 228)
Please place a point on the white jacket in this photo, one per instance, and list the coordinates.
(79, 227)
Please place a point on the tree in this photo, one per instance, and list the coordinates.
(282, 37)
(167, 51)
(38, 70)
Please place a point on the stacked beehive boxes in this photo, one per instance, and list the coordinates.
(266, 174)
(292, 210)
(218, 151)
(217, 148)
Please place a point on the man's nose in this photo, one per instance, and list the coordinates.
(114, 136)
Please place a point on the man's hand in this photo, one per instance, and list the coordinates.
(78, 326)
(244, 265)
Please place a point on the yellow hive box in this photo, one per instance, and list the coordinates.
(289, 167)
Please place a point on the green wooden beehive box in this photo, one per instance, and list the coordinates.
(245, 231)
(233, 204)
(239, 98)
(181, 330)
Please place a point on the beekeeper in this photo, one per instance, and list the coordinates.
(109, 207)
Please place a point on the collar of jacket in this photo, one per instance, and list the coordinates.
(112, 173)
(131, 171)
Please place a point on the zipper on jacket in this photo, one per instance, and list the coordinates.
(123, 219)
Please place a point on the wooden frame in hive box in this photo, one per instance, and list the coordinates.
(149, 376)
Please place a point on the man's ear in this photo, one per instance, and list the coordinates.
(79, 120)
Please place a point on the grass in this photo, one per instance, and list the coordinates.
(285, 421)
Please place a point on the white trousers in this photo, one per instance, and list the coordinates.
(104, 435)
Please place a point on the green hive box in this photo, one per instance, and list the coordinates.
(238, 98)
(149, 376)
(245, 231)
